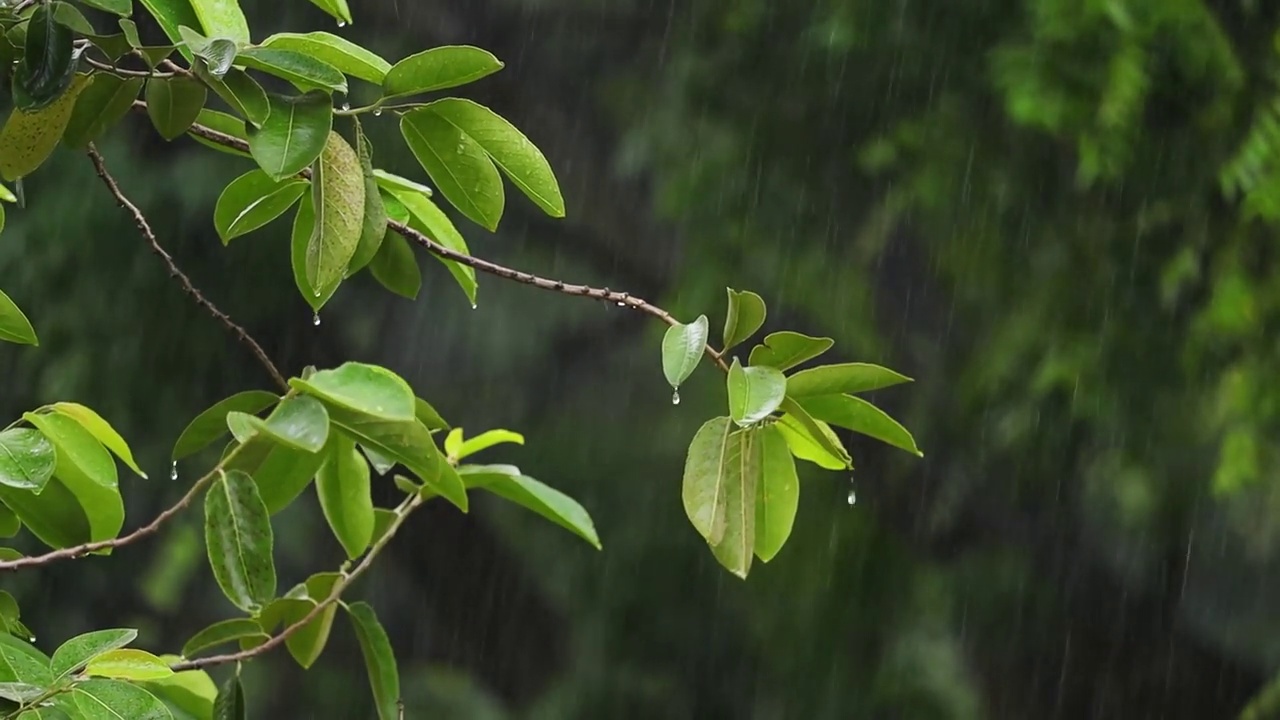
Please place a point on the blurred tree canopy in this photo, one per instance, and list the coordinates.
(1062, 214)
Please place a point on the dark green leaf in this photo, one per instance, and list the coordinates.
(366, 389)
(860, 416)
(222, 18)
(172, 14)
(26, 459)
(48, 61)
(293, 135)
(778, 494)
(55, 516)
(428, 416)
(9, 526)
(811, 439)
(14, 325)
(342, 54)
(344, 491)
(174, 103)
(100, 106)
(303, 228)
(541, 499)
(509, 149)
(223, 123)
(217, 54)
(457, 164)
(784, 350)
(754, 392)
(337, 196)
(101, 430)
(239, 540)
(439, 69)
(128, 664)
(306, 644)
(682, 349)
(845, 378)
(253, 200)
(239, 91)
(113, 46)
(123, 8)
(426, 217)
(396, 268)
(304, 71)
(382, 520)
(117, 700)
(281, 472)
(379, 660)
(212, 423)
(230, 702)
(373, 227)
(76, 652)
(221, 633)
(746, 315)
(29, 137)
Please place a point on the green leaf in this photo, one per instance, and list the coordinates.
(337, 195)
(128, 664)
(300, 238)
(281, 472)
(78, 651)
(112, 46)
(393, 183)
(20, 665)
(537, 497)
(101, 105)
(337, 8)
(486, 440)
(396, 268)
(439, 68)
(306, 644)
(230, 702)
(509, 149)
(860, 416)
(217, 54)
(845, 378)
(457, 164)
(342, 54)
(293, 135)
(170, 15)
(746, 315)
(379, 659)
(48, 61)
(428, 416)
(366, 389)
(304, 71)
(23, 693)
(784, 350)
(123, 8)
(101, 430)
(239, 540)
(407, 443)
(344, 491)
(427, 217)
(721, 474)
(777, 494)
(714, 460)
(191, 691)
(7, 195)
(211, 424)
(222, 18)
(29, 137)
(223, 123)
(299, 422)
(27, 459)
(77, 448)
(820, 444)
(253, 200)
(682, 349)
(239, 91)
(373, 226)
(382, 520)
(381, 464)
(173, 104)
(55, 516)
(117, 700)
(754, 392)
(9, 526)
(220, 633)
(14, 326)
(70, 16)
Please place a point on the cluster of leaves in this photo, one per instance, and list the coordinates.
(740, 485)
(344, 427)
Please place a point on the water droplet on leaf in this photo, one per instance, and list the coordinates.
(675, 397)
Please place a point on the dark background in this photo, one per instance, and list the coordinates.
(1057, 215)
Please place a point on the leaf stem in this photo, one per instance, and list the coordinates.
(175, 272)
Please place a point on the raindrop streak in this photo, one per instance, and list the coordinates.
(853, 495)
(675, 397)
(315, 319)
(173, 471)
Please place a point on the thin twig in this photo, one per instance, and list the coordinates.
(108, 67)
(402, 513)
(149, 529)
(174, 271)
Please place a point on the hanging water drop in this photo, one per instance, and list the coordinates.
(342, 23)
(173, 471)
(675, 397)
(474, 306)
(315, 319)
(853, 495)
(377, 112)
(346, 106)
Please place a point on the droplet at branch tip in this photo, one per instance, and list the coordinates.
(315, 319)
(173, 471)
(675, 397)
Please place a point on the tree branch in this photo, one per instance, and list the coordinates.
(174, 271)
(402, 513)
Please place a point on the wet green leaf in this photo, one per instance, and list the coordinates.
(844, 378)
(778, 494)
(100, 699)
(293, 135)
(229, 704)
(78, 651)
(745, 316)
(396, 268)
(100, 429)
(222, 18)
(342, 54)
(860, 416)
(128, 664)
(366, 389)
(457, 164)
(221, 633)
(754, 392)
(439, 69)
(307, 72)
(784, 350)
(337, 196)
(211, 424)
(238, 536)
(29, 137)
(539, 498)
(427, 217)
(343, 487)
(14, 325)
(27, 459)
(253, 200)
(48, 64)
(682, 349)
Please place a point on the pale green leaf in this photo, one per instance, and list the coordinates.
(102, 430)
(101, 699)
(784, 350)
(79, 650)
(222, 18)
(28, 138)
(754, 392)
(305, 71)
(337, 196)
(844, 378)
(14, 325)
(778, 494)
(541, 499)
(682, 349)
(128, 664)
(366, 389)
(745, 316)
(860, 416)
